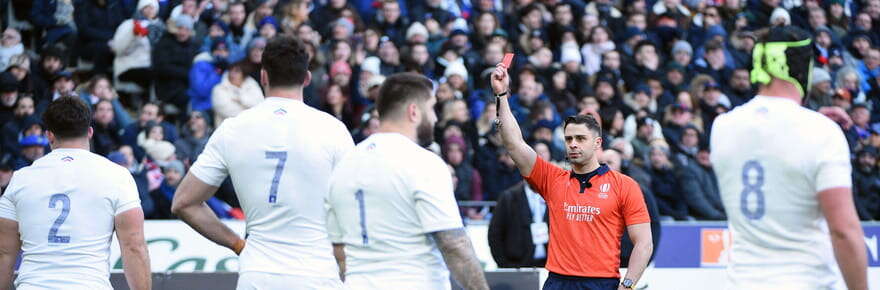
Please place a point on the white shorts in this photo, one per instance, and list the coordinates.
(272, 281)
(370, 282)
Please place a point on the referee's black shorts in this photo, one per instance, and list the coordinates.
(564, 282)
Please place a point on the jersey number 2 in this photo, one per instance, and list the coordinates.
(752, 189)
(54, 238)
(359, 196)
(279, 169)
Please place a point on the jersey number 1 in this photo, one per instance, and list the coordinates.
(279, 169)
(54, 238)
(752, 189)
(359, 196)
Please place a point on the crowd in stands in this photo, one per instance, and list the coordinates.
(161, 74)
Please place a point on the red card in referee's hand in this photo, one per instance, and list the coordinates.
(508, 58)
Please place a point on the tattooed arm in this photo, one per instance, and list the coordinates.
(461, 259)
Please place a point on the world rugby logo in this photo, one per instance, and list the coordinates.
(605, 187)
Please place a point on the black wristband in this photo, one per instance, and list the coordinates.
(501, 94)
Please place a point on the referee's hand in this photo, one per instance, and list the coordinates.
(500, 79)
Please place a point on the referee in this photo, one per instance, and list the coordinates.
(589, 206)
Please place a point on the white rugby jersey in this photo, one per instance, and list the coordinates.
(386, 198)
(65, 205)
(772, 158)
(279, 154)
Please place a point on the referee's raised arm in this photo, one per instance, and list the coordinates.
(523, 155)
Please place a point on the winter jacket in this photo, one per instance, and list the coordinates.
(229, 100)
(172, 61)
(7, 52)
(97, 24)
(203, 76)
(699, 187)
(43, 15)
(131, 51)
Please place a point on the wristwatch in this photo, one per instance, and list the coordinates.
(627, 283)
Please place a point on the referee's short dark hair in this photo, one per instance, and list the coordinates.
(67, 118)
(587, 120)
(400, 89)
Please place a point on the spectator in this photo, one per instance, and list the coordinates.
(6, 168)
(24, 109)
(858, 133)
(470, 183)
(32, 148)
(241, 33)
(195, 136)
(645, 128)
(100, 89)
(235, 93)
(293, 14)
(501, 170)
(268, 27)
(866, 184)
(55, 18)
(260, 10)
(10, 45)
(20, 68)
(206, 72)
(338, 105)
(849, 79)
(822, 90)
(699, 185)
(8, 97)
(172, 60)
(218, 31)
(714, 62)
(391, 22)
(105, 138)
(646, 64)
(666, 184)
(510, 237)
(253, 62)
(96, 21)
(52, 62)
(150, 112)
(133, 43)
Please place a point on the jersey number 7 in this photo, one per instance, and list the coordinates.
(279, 169)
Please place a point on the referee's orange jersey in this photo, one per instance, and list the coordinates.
(585, 228)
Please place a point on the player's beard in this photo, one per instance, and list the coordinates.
(425, 133)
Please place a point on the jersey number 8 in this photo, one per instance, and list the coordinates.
(751, 188)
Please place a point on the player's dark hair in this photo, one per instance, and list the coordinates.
(587, 120)
(286, 61)
(400, 89)
(68, 117)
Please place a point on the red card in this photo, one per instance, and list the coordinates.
(508, 58)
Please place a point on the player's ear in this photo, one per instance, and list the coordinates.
(51, 137)
(413, 112)
(308, 79)
(91, 132)
(264, 78)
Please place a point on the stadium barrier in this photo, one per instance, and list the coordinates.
(688, 251)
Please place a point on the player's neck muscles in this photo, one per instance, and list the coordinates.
(287, 93)
(396, 127)
(781, 89)
(71, 144)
